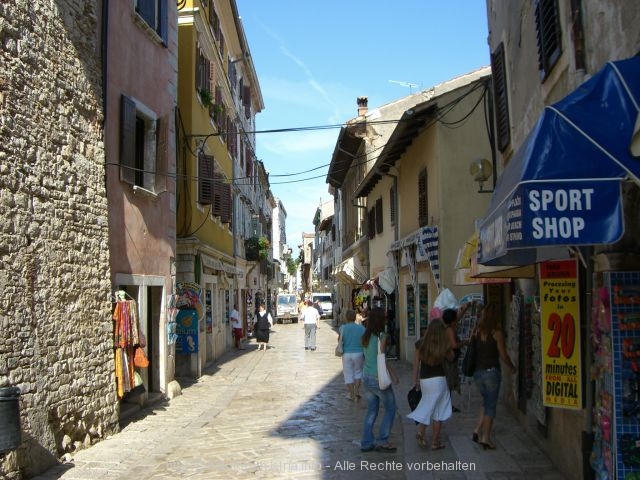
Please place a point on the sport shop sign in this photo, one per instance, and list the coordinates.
(547, 213)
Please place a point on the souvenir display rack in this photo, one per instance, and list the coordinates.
(616, 334)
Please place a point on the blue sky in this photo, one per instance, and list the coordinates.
(313, 59)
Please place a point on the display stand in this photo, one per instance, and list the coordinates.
(616, 337)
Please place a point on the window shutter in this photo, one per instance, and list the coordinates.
(163, 6)
(379, 222)
(246, 101)
(371, 227)
(226, 204)
(216, 206)
(198, 67)
(205, 179)
(162, 154)
(548, 35)
(392, 206)
(423, 207)
(127, 140)
(333, 232)
(500, 98)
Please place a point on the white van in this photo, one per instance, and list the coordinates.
(326, 302)
(286, 308)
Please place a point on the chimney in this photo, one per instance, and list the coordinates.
(362, 106)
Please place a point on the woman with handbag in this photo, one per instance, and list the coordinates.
(490, 349)
(435, 404)
(373, 342)
(352, 355)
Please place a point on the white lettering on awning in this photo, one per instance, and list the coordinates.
(557, 227)
(572, 199)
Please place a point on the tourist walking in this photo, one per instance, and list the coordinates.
(236, 325)
(429, 375)
(373, 340)
(352, 357)
(263, 325)
(490, 349)
(450, 318)
(310, 319)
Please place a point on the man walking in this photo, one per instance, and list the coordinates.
(310, 319)
(234, 316)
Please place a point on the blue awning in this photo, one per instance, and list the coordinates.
(562, 188)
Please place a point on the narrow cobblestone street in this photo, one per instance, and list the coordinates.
(283, 414)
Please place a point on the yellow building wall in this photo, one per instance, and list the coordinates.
(195, 219)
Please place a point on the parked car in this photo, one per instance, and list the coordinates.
(326, 302)
(286, 308)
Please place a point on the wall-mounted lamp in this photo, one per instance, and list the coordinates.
(481, 171)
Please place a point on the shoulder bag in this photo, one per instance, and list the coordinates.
(339, 350)
(469, 360)
(384, 379)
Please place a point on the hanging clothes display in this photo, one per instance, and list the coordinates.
(126, 340)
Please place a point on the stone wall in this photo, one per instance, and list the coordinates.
(56, 341)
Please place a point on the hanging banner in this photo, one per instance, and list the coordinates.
(187, 331)
(560, 325)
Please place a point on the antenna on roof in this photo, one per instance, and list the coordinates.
(404, 84)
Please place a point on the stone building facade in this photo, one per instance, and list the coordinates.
(55, 309)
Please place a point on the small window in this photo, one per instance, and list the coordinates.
(548, 35)
(142, 146)
(204, 75)
(423, 205)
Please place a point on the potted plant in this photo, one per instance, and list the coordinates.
(257, 248)
(205, 97)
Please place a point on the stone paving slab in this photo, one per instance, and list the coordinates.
(283, 414)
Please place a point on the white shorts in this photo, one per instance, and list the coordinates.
(352, 366)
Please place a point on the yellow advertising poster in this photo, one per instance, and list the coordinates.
(560, 322)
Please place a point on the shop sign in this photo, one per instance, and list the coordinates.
(552, 213)
(187, 331)
(560, 324)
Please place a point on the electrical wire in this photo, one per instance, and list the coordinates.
(358, 160)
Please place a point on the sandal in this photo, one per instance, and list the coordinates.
(386, 448)
(437, 446)
(421, 441)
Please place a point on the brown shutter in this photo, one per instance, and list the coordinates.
(500, 98)
(127, 140)
(226, 204)
(216, 206)
(371, 227)
(423, 207)
(205, 179)
(392, 206)
(379, 222)
(548, 35)
(246, 100)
